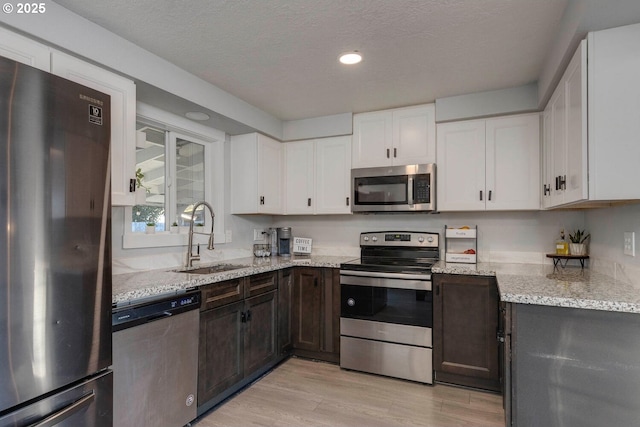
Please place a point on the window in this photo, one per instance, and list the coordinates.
(178, 163)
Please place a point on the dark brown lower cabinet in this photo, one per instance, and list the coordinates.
(221, 350)
(316, 313)
(236, 338)
(285, 295)
(465, 327)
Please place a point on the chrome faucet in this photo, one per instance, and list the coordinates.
(190, 255)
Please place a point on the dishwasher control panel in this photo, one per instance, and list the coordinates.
(149, 311)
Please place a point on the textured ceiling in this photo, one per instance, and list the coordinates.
(281, 55)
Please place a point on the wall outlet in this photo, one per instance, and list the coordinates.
(258, 235)
(630, 243)
(227, 236)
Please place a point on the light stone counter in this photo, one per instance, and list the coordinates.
(541, 284)
(134, 287)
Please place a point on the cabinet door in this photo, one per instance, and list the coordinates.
(461, 166)
(575, 87)
(221, 350)
(24, 50)
(285, 290)
(465, 323)
(414, 135)
(269, 175)
(307, 309)
(513, 162)
(333, 175)
(299, 177)
(372, 136)
(557, 109)
(123, 118)
(260, 331)
(547, 158)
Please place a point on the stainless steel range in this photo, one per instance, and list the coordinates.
(387, 305)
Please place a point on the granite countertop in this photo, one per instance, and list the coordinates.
(133, 287)
(542, 284)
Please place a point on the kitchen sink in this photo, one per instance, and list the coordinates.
(212, 269)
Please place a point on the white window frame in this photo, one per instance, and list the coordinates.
(213, 141)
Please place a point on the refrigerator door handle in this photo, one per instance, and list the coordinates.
(67, 411)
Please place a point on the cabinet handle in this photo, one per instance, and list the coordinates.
(243, 317)
(547, 189)
(563, 182)
(132, 185)
(387, 153)
(480, 194)
(557, 183)
(489, 195)
(500, 336)
(395, 152)
(262, 200)
(248, 315)
(347, 201)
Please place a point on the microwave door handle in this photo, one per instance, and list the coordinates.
(410, 190)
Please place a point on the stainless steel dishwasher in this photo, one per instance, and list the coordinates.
(155, 362)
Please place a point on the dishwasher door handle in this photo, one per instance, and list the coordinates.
(159, 316)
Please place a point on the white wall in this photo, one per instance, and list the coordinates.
(607, 227)
(503, 236)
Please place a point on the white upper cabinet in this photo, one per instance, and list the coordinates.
(461, 166)
(333, 175)
(24, 50)
(299, 177)
(491, 164)
(123, 118)
(317, 176)
(402, 136)
(592, 142)
(565, 137)
(256, 175)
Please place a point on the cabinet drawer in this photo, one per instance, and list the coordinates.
(218, 294)
(261, 283)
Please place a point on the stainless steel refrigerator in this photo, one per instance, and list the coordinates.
(55, 251)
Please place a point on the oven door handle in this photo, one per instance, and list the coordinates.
(411, 276)
(408, 281)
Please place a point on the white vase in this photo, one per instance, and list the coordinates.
(141, 196)
(175, 229)
(577, 248)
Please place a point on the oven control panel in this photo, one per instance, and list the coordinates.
(402, 238)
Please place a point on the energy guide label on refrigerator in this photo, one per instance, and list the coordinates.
(95, 115)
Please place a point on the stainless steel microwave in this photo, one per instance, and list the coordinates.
(410, 188)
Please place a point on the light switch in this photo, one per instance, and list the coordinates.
(630, 243)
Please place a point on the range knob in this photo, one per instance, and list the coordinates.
(430, 239)
(351, 302)
(366, 238)
(374, 238)
(420, 239)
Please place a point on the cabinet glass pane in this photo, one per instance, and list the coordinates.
(150, 167)
(189, 180)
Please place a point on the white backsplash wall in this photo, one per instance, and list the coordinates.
(607, 227)
(503, 236)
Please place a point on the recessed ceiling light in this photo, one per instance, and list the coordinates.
(350, 58)
(196, 115)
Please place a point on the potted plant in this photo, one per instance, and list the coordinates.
(151, 228)
(578, 245)
(174, 228)
(141, 189)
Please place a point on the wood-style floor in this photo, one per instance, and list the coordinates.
(306, 393)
